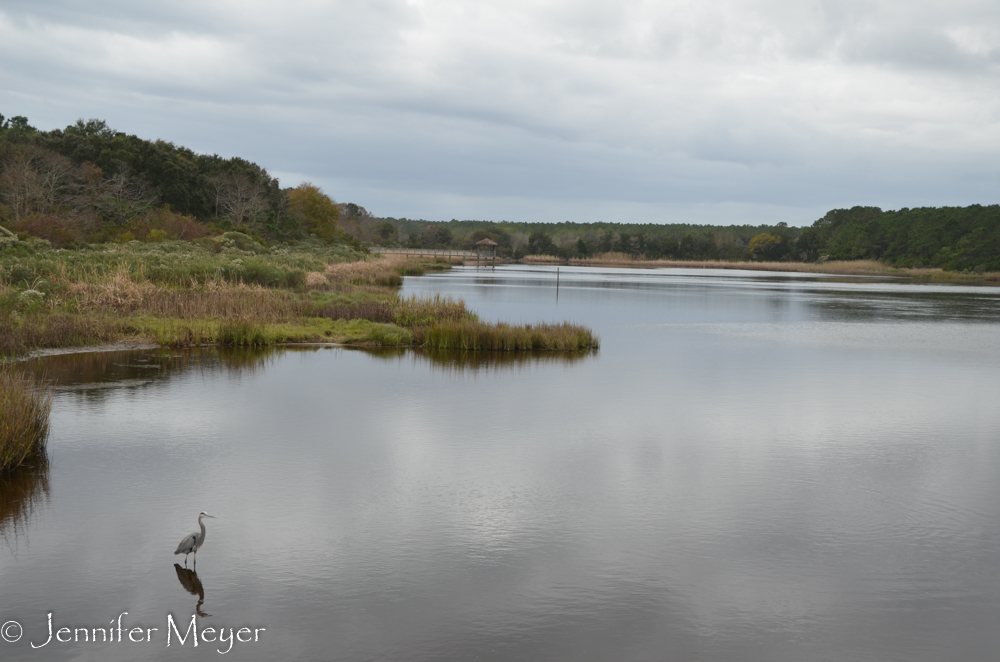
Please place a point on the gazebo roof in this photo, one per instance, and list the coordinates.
(486, 242)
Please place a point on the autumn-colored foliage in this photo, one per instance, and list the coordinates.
(764, 244)
(315, 212)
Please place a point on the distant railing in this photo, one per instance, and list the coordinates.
(474, 257)
(435, 252)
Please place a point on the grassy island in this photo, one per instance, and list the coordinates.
(233, 290)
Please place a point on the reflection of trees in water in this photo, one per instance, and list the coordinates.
(22, 492)
(459, 361)
(246, 360)
(94, 374)
(971, 306)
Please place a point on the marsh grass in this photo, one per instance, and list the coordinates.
(543, 259)
(178, 263)
(851, 267)
(503, 337)
(385, 271)
(20, 334)
(372, 310)
(52, 299)
(415, 311)
(24, 418)
(836, 267)
(243, 333)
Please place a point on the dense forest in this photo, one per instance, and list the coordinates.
(953, 238)
(88, 183)
(570, 240)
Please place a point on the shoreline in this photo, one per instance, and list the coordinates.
(833, 268)
(120, 346)
(130, 346)
(178, 294)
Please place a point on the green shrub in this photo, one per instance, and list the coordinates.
(241, 241)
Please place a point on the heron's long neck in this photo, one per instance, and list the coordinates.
(201, 523)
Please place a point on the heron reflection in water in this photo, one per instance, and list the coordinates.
(189, 580)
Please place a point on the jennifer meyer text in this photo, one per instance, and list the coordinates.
(176, 632)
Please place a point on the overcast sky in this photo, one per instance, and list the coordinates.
(719, 111)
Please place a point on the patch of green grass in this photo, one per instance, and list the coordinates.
(172, 262)
(351, 332)
(244, 333)
(237, 293)
(500, 336)
(241, 333)
(415, 311)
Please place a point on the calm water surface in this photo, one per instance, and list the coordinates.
(753, 467)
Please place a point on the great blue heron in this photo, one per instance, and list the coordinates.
(193, 542)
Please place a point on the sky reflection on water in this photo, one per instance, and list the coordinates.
(751, 468)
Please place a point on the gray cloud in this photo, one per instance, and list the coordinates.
(554, 110)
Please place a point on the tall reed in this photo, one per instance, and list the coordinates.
(385, 272)
(24, 418)
(20, 334)
(424, 311)
(243, 333)
(503, 337)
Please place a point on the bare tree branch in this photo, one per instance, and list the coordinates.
(240, 198)
(35, 181)
(125, 198)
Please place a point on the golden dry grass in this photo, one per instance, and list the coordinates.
(855, 267)
(24, 418)
(837, 267)
(387, 271)
(543, 259)
(353, 302)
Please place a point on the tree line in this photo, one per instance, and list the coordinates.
(573, 240)
(953, 238)
(90, 183)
